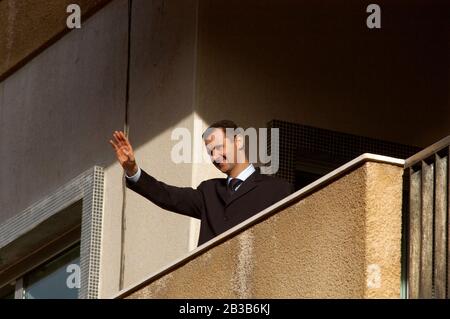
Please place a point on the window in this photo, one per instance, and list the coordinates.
(40, 246)
(58, 278)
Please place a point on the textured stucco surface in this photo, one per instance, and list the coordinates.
(58, 111)
(28, 25)
(383, 207)
(342, 241)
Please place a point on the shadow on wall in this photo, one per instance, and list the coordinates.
(318, 64)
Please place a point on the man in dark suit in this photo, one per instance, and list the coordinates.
(219, 203)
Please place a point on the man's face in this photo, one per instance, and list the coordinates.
(222, 150)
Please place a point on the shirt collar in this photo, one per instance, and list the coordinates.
(249, 170)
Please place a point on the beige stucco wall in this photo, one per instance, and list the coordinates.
(162, 97)
(28, 26)
(342, 241)
(58, 111)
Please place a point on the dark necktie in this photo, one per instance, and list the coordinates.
(233, 184)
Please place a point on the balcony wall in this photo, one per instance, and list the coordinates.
(339, 237)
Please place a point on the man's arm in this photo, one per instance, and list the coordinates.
(182, 200)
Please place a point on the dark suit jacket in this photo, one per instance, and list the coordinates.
(211, 202)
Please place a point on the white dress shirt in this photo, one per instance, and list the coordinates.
(249, 170)
(135, 177)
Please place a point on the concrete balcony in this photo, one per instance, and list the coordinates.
(339, 237)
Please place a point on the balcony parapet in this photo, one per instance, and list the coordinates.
(339, 237)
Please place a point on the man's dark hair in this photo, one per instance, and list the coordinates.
(223, 124)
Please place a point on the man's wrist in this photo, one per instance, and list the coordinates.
(132, 171)
(134, 177)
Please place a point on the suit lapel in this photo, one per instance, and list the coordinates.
(250, 183)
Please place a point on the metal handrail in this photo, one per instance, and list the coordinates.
(428, 152)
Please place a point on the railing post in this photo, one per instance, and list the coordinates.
(426, 255)
(428, 222)
(440, 227)
(414, 247)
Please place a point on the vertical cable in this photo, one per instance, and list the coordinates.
(126, 131)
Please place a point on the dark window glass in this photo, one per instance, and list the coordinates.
(57, 279)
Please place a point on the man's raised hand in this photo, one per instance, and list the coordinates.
(124, 152)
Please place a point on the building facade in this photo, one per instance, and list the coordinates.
(150, 67)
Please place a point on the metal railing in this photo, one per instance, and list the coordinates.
(427, 222)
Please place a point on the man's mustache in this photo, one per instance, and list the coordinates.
(218, 161)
